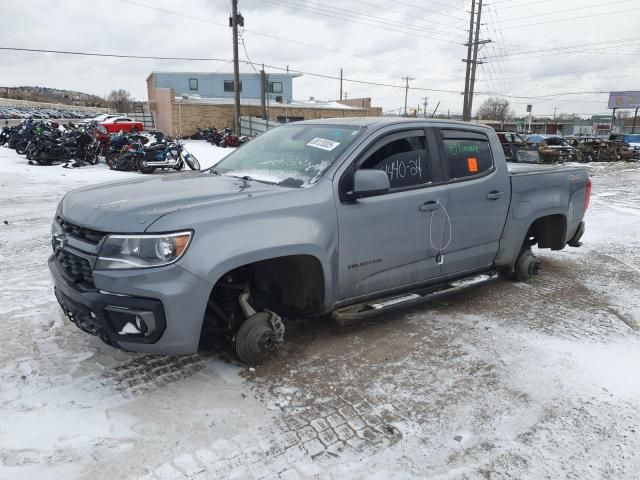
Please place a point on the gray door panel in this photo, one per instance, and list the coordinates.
(388, 241)
(478, 201)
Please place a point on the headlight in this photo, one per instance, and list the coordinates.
(121, 252)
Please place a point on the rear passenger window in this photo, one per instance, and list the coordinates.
(468, 157)
(404, 160)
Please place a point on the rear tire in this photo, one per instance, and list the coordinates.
(143, 168)
(110, 158)
(41, 159)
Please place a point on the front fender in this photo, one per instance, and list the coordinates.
(228, 237)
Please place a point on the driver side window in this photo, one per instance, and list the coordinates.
(405, 160)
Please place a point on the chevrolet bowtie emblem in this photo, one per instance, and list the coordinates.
(60, 240)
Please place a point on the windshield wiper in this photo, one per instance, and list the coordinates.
(247, 178)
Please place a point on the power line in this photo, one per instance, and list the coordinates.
(337, 16)
(517, 6)
(604, 50)
(615, 12)
(288, 40)
(274, 67)
(357, 14)
(554, 12)
(403, 14)
(623, 42)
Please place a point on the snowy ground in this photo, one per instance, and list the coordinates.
(526, 381)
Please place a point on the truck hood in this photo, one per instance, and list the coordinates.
(132, 206)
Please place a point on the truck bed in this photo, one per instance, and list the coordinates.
(534, 168)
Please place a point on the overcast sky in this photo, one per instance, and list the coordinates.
(540, 48)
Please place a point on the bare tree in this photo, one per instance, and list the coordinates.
(494, 108)
(120, 100)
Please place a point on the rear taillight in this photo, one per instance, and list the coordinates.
(587, 198)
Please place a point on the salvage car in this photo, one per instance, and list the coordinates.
(556, 150)
(630, 141)
(516, 148)
(343, 217)
(124, 124)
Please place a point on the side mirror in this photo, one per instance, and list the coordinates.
(367, 183)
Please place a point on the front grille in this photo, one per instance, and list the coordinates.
(76, 269)
(91, 236)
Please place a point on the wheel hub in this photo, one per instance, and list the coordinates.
(266, 342)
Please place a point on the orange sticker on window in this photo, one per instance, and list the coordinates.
(472, 165)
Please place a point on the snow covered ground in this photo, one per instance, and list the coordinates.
(526, 381)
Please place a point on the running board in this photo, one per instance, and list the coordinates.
(361, 311)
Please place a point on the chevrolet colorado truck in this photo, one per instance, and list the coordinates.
(348, 217)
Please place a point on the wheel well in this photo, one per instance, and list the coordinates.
(548, 232)
(291, 285)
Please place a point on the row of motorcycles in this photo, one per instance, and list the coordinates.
(220, 138)
(46, 143)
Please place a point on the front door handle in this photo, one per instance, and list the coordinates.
(494, 195)
(428, 206)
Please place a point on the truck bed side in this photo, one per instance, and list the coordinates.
(551, 195)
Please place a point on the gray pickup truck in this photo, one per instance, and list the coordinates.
(348, 217)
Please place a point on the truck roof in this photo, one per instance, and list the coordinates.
(384, 121)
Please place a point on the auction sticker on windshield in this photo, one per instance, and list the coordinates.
(323, 143)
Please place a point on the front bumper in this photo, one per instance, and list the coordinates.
(169, 301)
(106, 315)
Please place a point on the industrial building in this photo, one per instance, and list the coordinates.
(183, 101)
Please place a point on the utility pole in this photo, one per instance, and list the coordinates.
(475, 61)
(263, 93)
(426, 101)
(340, 84)
(236, 66)
(406, 93)
(554, 112)
(468, 61)
(472, 59)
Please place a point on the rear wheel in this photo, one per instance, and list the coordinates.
(110, 158)
(21, 147)
(526, 267)
(42, 159)
(142, 166)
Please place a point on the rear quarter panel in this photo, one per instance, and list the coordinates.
(539, 191)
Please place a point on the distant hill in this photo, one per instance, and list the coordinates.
(52, 95)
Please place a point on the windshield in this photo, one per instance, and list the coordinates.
(291, 155)
(632, 138)
(555, 141)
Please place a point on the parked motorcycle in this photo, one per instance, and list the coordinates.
(204, 133)
(166, 155)
(226, 138)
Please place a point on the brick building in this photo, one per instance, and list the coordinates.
(179, 112)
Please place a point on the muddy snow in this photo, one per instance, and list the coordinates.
(527, 381)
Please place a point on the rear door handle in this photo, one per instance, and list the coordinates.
(494, 195)
(428, 206)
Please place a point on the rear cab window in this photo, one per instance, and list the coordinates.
(468, 154)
